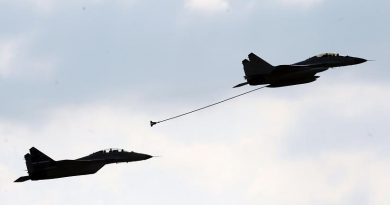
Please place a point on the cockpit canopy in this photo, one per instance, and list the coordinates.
(104, 153)
(112, 150)
(107, 151)
(327, 54)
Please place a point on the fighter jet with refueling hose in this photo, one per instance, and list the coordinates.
(259, 72)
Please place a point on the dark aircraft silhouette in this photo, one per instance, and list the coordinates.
(258, 72)
(40, 166)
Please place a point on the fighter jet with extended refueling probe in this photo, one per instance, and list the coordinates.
(40, 166)
(259, 72)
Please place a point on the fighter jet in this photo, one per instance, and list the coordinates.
(40, 166)
(259, 72)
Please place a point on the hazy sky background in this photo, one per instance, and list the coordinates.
(80, 76)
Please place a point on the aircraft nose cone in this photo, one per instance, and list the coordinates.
(359, 60)
(133, 156)
(148, 156)
(145, 156)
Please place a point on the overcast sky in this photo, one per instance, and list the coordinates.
(80, 76)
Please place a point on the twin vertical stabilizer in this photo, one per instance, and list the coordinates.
(256, 66)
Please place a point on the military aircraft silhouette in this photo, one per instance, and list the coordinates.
(259, 72)
(40, 166)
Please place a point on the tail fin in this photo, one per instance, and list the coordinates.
(256, 66)
(38, 156)
(29, 165)
(35, 156)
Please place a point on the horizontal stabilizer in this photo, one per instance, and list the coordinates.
(22, 179)
(241, 84)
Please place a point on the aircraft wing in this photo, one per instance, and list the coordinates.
(287, 68)
(294, 66)
(313, 65)
(280, 69)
